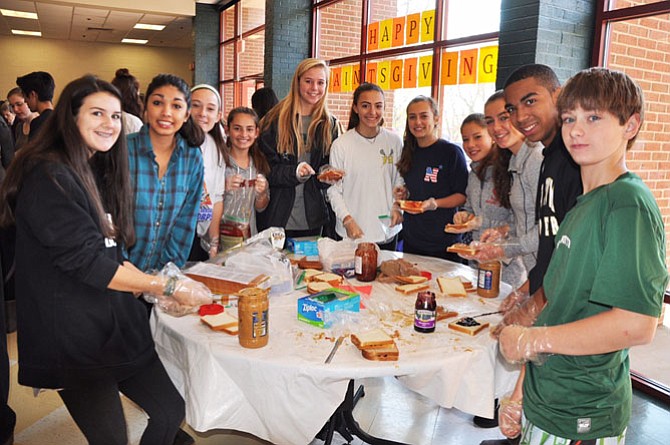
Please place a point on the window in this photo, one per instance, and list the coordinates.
(242, 52)
(408, 47)
(634, 37)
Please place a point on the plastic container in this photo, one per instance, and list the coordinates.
(253, 315)
(366, 262)
(488, 279)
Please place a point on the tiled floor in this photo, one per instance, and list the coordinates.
(388, 410)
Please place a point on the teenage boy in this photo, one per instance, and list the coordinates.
(531, 93)
(604, 285)
(38, 89)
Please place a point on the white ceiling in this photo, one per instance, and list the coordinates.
(90, 24)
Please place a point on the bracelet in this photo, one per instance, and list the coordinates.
(170, 286)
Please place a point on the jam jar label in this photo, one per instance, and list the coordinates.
(424, 318)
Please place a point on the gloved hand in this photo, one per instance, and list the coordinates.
(515, 298)
(429, 204)
(234, 182)
(461, 217)
(352, 228)
(494, 234)
(509, 417)
(489, 252)
(520, 344)
(180, 295)
(400, 193)
(213, 247)
(523, 314)
(189, 292)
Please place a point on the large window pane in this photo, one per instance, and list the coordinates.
(472, 17)
(399, 23)
(253, 14)
(340, 30)
(620, 4)
(228, 61)
(251, 55)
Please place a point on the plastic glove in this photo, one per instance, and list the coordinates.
(520, 344)
(352, 228)
(181, 295)
(494, 234)
(489, 252)
(462, 217)
(213, 247)
(523, 314)
(400, 193)
(515, 298)
(429, 204)
(509, 417)
(261, 186)
(303, 171)
(189, 292)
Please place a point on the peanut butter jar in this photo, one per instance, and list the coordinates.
(488, 279)
(253, 317)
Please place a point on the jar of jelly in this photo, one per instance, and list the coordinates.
(425, 312)
(365, 262)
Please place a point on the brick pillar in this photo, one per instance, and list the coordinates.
(557, 33)
(206, 38)
(288, 30)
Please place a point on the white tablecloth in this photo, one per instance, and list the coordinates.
(285, 393)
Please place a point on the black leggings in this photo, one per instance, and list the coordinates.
(98, 413)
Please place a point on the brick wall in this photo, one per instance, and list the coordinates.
(641, 48)
(557, 33)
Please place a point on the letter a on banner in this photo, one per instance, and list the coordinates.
(425, 71)
(336, 79)
(385, 33)
(346, 79)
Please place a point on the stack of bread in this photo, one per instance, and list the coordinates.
(376, 345)
(318, 281)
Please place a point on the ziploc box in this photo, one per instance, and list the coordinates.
(314, 309)
(306, 246)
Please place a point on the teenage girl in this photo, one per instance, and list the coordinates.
(83, 332)
(368, 154)
(24, 116)
(295, 137)
(435, 173)
(207, 114)
(247, 189)
(524, 168)
(488, 189)
(166, 172)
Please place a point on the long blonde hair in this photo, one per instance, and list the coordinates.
(287, 115)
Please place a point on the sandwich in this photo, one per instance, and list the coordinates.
(460, 227)
(452, 286)
(314, 287)
(221, 322)
(376, 345)
(468, 325)
(330, 175)
(411, 279)
(411, 288)
(312, 263)
(334, 280)
(464, 249)
(410, 206)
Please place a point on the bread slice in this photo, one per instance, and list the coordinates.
(451, 286)
(375, 338)
(317, 286)
(411, 206)
(412, 279)
(311, 274)
(221, 322)
(468, 326)
(443, 313)
(388, 353)
(462, 248)
(310, 263)
(334, 280)
(411, 288)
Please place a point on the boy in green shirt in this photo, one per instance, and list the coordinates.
(604, 285)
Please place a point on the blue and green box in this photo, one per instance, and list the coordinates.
(318, 309)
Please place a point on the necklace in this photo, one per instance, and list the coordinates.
(370, 139)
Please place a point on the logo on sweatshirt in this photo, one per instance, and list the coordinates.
(565, 240)
(386, 158)
(431, 174)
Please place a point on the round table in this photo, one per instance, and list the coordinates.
(285, 393)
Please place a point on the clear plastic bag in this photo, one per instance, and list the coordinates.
(187, 294)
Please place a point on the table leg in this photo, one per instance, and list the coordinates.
(344, 423)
